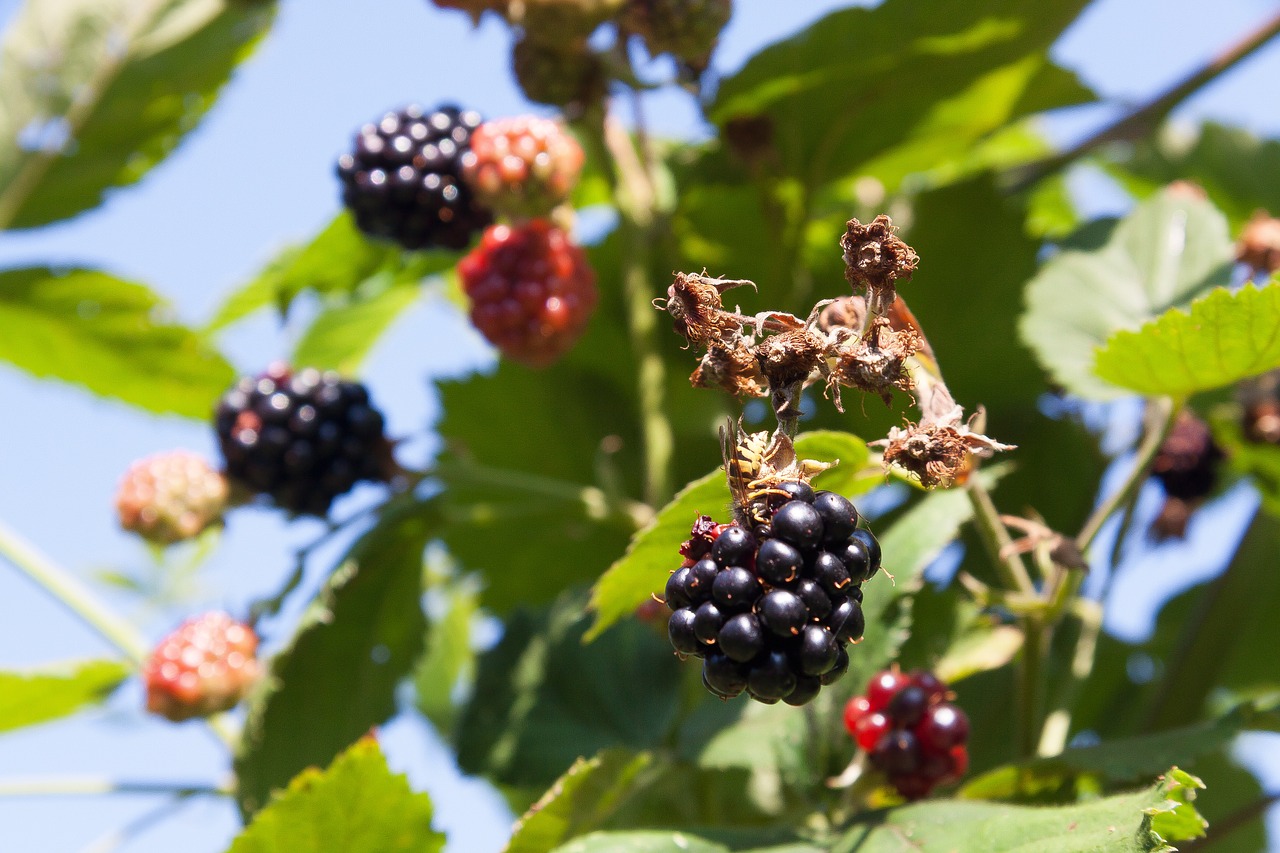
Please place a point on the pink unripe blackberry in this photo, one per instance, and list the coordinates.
(170, 496)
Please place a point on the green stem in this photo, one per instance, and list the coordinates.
(1057, 723)
(995, 538)
(1035, 649)
(72, 594)
(79, 786)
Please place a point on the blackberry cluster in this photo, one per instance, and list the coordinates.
(910, 731)
(769, 611)
(403, 180)
(303, 438)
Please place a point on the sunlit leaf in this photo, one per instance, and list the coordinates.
(36, 696)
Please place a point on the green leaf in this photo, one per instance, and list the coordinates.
(113, 337)
(1142, 821)
(39, 695)
(1222, 338)
(1170, 250)
(357, 805)
(654, 551)
(580, 801)
(336, 262)
(450, 657)
(99, 91)
(342, 336)
(1115, 762)
(641, 842)
(917, 87)
(337, 677)
(543, 698)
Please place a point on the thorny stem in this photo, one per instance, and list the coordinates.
(634, 197)
(72, 594)
(1146, 118)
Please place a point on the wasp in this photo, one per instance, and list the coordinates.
(756, 464)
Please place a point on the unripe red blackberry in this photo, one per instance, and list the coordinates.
(522, 167)
(302, 438)
(532, 291)
(204, 667)
(402, 181)
(771, 606)
(569, 76)
(686, 29)
(910, 731)
(170, 496)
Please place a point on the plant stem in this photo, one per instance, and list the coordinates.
(1146, 118)
(996, 539)
(78, 786)
(72, 594)
(1036, 634)
(1057, 723)
(1161, 414)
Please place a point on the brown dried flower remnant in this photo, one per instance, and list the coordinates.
(693, 301)
(1259, 244)
(789, 357)
(730, 366)
(937, 453)
(875, 258)
(875, 363)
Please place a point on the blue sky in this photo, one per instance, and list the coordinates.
(257, 175)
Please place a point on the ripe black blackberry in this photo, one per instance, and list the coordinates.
(769, 611)
(403, 178)
(302, 438)
(1187, 466)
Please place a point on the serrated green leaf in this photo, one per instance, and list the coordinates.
(344, 333)
(111, 336)
(34, 696)
(917, 87)
(580, 801)
(543, 698)
(1222, 338)
(641, 842)
(654, 551)
(99, 91)
(1126, 823)
(336, 679)
(356, 805)
(1170, 250)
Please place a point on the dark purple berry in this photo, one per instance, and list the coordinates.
(840, 668)
(735, 589)
(772, 676)
(847, 621)
(797, 490)
(724, 677)
(817, 651)
(799, 524)
(783, 613)
(677, 592)
(831, 573)
(707, 621)
(680, 630)
(807, 689)
(944, 726)
(907, 707)
(839, 518)
(702, 577)
(741, 637)
(873, 551)
(814, 597)
(778, 563)
(929, 683)
(897, 754)
(856, 558)
(734, 547)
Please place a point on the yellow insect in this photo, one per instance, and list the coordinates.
(756, 464)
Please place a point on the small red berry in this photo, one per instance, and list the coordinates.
(170, 496)
(870, 729)
(943, 727)
(532, 291)
(204, 667)
(959, 763)
(857, 708)
(884, 687)
(522, 167)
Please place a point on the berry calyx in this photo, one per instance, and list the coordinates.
(302, 438)
(522, 167)
(170, 496)
(532, 291)
(402, 179)
(204, 667)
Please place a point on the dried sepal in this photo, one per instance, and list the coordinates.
(937, 454)
(875, 259)
(790, 357)
(755, 464)
(694, 303)
(731, 366)
(874, 363)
